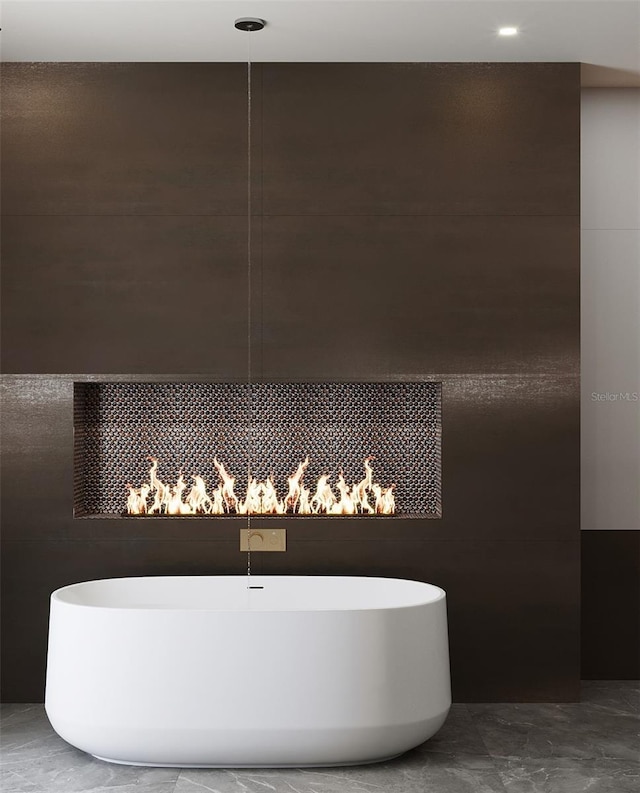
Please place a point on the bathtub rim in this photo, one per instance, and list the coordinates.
(57, 596)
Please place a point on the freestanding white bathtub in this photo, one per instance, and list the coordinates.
(202, 671)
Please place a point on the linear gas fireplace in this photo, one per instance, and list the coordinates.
(230, 449)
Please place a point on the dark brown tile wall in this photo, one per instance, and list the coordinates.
(120, 139)
(611, 605)
(450, 139)
(413, 221)
(124, 291)
(464, 294)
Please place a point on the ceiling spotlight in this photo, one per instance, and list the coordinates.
(249, 24)
(508, 31)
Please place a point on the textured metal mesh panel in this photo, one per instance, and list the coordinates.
(186, 425)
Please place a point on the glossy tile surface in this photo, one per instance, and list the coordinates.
(568, 776)
(574, 731)
(489, 748)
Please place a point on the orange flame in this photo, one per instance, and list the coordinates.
(365, 497)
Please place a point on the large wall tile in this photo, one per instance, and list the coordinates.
(610, 452)
(610, 316)
(510, 458)
(610, 379)
(124, 138)
(448, 139)
(610, 155)
(610, 605)
(37, 457)
(344, 296)
(124, 294)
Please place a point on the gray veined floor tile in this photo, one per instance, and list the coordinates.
(12, 782)
(15, 713)
(568, 776)
(427, 773)
(36, 760)
(574, 731)
(27, 737)
(75, 772)
(458, 735)
(621, 696)
(23, 722)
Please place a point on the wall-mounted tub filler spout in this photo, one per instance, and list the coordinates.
(264, 540)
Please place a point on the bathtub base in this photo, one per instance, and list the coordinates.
(260, 749)
(248, 765)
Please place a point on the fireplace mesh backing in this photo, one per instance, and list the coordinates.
(185, 425)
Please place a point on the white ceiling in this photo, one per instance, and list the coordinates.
(603, 34)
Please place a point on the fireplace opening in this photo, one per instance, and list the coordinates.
(229, 449)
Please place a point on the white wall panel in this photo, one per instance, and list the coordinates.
(611, 309)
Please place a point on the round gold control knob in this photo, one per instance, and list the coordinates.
(256, 540)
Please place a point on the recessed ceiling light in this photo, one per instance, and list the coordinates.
(508, 31)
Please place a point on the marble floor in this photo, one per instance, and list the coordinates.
(591, 746)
